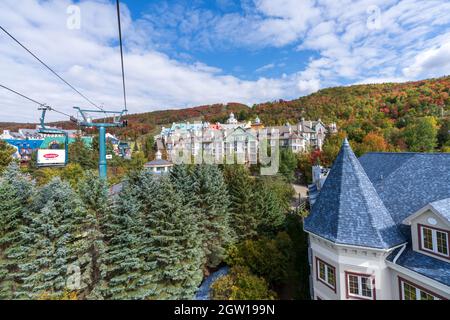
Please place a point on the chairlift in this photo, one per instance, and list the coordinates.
(52, 157)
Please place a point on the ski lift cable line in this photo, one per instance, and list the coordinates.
(121, 56)
(34, 101)
(49, 68)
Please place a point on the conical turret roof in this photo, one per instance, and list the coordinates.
(349, 210)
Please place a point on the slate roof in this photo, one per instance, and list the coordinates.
(427, 266)
(443, 207)
(158, 162)
(407, 182)
(349, 211)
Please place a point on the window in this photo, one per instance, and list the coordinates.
(326, 274)
(360, 286)
(409, 291)
(434, 240)
(442, 242)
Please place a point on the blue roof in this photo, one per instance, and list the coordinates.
(407, 182)
(24, 144)
(348, 209)
(422, 264)
(443, 207)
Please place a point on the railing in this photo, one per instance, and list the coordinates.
(302, 205)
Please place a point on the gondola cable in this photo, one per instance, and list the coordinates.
(49, 68)
(34, 101)
(121, 57)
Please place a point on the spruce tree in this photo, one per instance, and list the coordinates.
(171, 248)
(212, 202)
(244, 219)
(59, 261)
(268, 208)
(184, 182)
(122, 267)
(15, 193)
(93, 192)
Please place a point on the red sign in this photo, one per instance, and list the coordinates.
(50, 156)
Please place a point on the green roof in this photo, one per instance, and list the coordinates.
(60, 140)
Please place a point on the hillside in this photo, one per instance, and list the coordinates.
(343, 104)
(357, 109)
(143, 123)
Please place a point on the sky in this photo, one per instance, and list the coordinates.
(181, 54)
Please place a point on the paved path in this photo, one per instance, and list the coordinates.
(300, 192)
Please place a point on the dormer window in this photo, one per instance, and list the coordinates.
(434, 241)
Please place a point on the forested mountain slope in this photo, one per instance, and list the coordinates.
(384, 109)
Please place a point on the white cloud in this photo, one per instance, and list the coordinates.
(266, 67)
(89, 59)
(309, 86)
(432, 62)
(411, 43)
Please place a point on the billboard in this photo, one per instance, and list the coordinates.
(51, 157)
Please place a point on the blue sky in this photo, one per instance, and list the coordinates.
(245, 62)
(181, 53)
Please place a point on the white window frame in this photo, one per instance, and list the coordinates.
(326, 280)
(418, 291)
(371, 280)
(434, 241)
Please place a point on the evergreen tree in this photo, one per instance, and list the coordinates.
(244, 219)
(82, 155)
(93, 192)
(121, 275)
(184, 182)
(148, 147)
(213, 202)
(268, 208)
(15, 192)
(172, 248)
(288, 164)
(6, 153)
(59, 260)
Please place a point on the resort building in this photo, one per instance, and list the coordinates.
(218, 139)
(380, 228)
(159, 165)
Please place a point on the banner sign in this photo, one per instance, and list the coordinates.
(51, 157)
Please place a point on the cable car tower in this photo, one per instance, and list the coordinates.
(87, 120)
(89, 123)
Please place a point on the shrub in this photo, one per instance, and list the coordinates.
(241, 284)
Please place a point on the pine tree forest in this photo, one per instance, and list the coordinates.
(158, 238)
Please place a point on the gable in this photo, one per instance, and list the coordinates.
(428, 216)
(437, 212)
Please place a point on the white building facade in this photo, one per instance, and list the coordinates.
(219, 139)
(373, 238)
